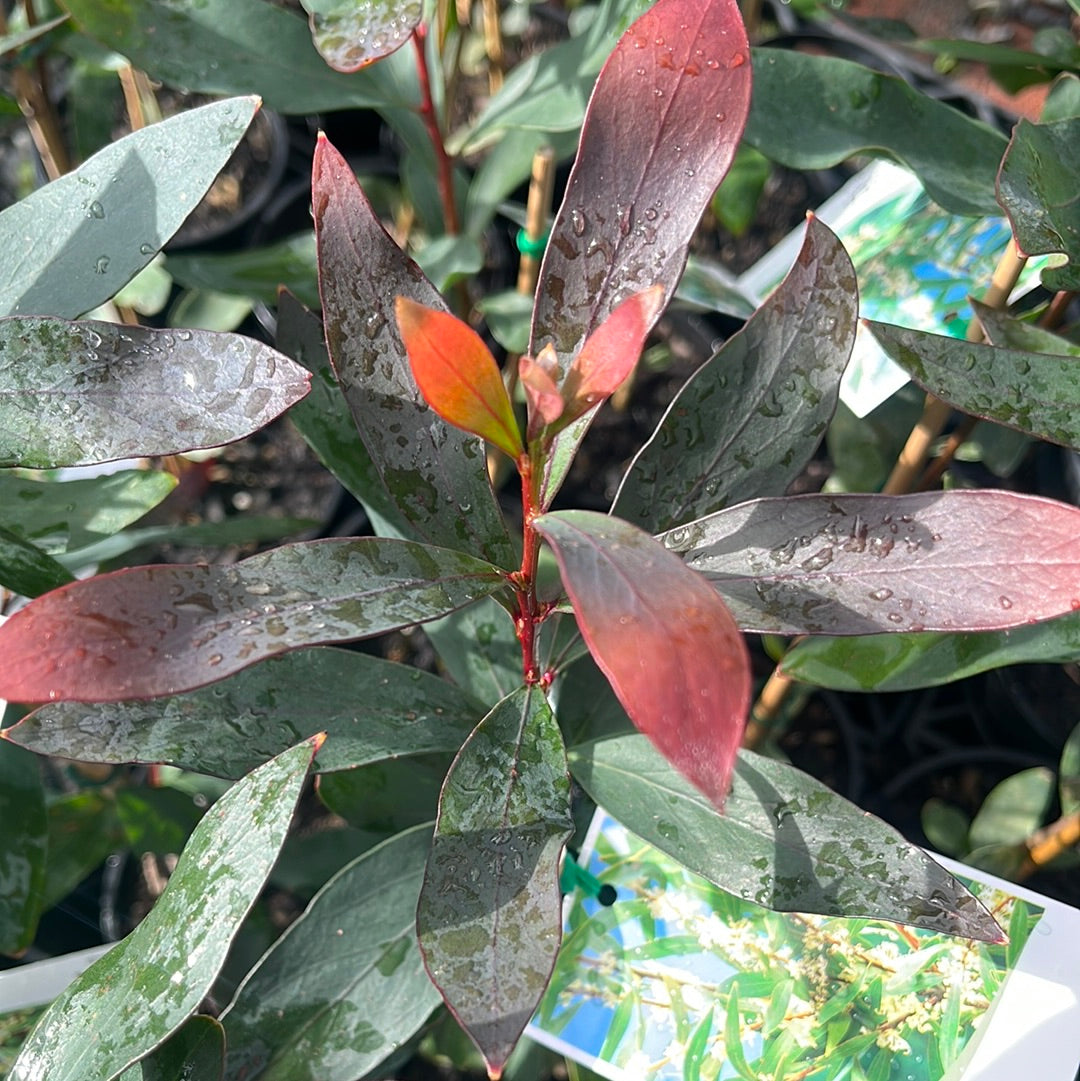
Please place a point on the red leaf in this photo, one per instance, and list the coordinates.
(663, 638)
(610, 352)
(538, 379)
(457, 374)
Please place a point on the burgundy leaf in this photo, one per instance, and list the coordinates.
(663, 638)
(660, 132)
(489, 917)
(421, 459)
(158, 630)
(865, 564)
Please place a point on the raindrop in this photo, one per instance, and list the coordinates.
(969, 362)
(641, 71)
(712, 64)
(721, 117)
(881, 594)
(895, 617)
(577, 221)
(102, 264)
(737, 60)
(1005, 602)
(373, 325)
(819, 560)
(625, 215)
(215, 660)
(147, 249)
(95, 210)
(657, 92)
(650, 213)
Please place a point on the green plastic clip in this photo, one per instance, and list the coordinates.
(535, 248)
(574, 876)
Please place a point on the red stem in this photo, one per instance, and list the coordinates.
(529, 616)
(431, 122)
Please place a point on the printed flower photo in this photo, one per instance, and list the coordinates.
(679, 980)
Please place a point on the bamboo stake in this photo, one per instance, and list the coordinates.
(1049, 843)
(537, 211)
(493, 45)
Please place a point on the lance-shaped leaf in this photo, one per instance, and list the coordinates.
(1031, 392)
(23, 848)
(133, 998)
(196, 1049)
(72, 244)
(785, 841)
(234, 47)
(349, 36)
(904, 662)
(489, 914)
(747, 421)
(457, 374)
(436, 475)
(75, 393)
(234, 725)
(660, 132)
(157, 630)
(864, 564)
(664, 639)
(26, 569)
(1037, 188)
(813, 112)
(347, 975)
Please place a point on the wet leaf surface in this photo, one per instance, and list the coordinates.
(457, 375)
(142, 991)
(785, 841)
(347, 974)
(26, 569)
(158, 630)
(436, 474)
(1031, 392)
(349, 36)
(489, 917)
(904, 662)
(748, 420)
(664, 639)
(232, 726)
(813, 112)
(864, 564)
(1037, 186)
(78, 393)
(73, 243)
(195, 1050)
(659, 134)
(222, 47)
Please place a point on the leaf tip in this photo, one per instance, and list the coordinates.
(317, 741)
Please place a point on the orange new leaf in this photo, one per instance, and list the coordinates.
(457, 375)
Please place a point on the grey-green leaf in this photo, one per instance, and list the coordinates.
(138, 994)
(489, 917)
(1037, 186)
(1031, 392)
(76, 393)
(349, 36)
(72, 244)
(232, 726)
(749, 419)
(23, 846)
(347, 975)
(26, 569)
(235, 47)
(812, 112)
(785, 840)
(195, 1052)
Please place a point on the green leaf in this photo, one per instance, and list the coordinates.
(63, 515)
(448, 259)
(436, 475)
(26, 569)
(507, 315)
(201, 623)
(785, 841)
(946, 827)
(813, 112)
(904, 662)
(390, 710)
(775, 384)
(736, 200)
(77, 393)
(349, 36)
(234, 47)
(1038, 190)
(387, 796)
(84, 829)
(489, 917)
(1069, 774)
(963, 560)
(347, 975)
(196, 1051)
(140, 992)
(82, 237)
(157, 820)
(23, 845)
(1014, 809)
(257, 273)
(1031, 392)
(13, 43)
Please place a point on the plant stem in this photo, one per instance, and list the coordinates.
(444, 168)
(1048, 844)
(529, 616)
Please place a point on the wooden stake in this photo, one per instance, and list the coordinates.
(493, 45)
(537, 211)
